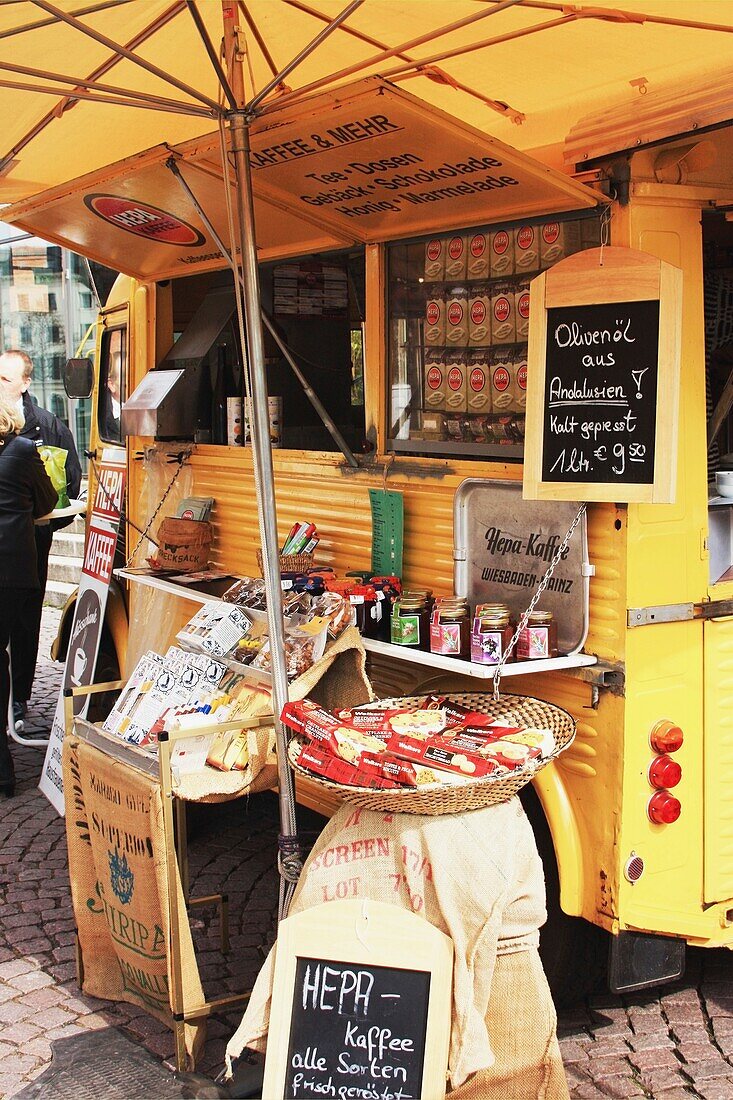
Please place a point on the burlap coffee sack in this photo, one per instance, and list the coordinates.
(475, 876)
(119, 889)
(521, 1022)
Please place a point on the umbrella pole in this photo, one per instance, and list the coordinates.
(289, 849)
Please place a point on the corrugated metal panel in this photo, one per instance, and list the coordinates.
(718, 751)
(337, 501)
(607, 552)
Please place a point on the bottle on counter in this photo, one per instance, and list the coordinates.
(538, 639)
(367, 610)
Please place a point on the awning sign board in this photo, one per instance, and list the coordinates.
(368, 163)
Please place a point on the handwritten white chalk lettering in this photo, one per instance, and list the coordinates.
(574, 335)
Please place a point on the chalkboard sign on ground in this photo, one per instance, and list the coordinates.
(603, 379)
(357, 1025)
(361, 1005)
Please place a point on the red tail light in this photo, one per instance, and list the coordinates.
(666, 736)
(664, 772)
(663, 808)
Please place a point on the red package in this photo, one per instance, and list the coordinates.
(510, 754)
(455, 713)
(296, 715)
(375, 720)
(433, 753)
(319, 760)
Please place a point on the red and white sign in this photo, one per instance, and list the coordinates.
(501, 378)
(502, 309)
(144, 220)
(434, 250)
(523, 305)
(550, 232)
(478, 312)
(525, 237)
(477, 379)
(455, 313)
(432, 313)
(500, 242)
(455, 378)
(91, 599)
(455, 248)
(478, 245)
(522, 377)
(435, 378)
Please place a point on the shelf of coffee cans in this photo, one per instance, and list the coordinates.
(468, 668)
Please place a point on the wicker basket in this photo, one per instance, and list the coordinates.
(290, 563)
(474, 794)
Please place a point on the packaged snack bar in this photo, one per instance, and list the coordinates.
(229, 752)
(432, 753)
(558, 240)
(478, 390)
(317, 759)
(521, 309)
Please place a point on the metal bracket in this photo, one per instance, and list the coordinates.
(600, 675)
(678, 612)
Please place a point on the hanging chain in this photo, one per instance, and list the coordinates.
(536, 598)
(182, 457)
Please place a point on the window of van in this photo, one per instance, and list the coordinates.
(111, 393)
(316, 306)
(458, 315)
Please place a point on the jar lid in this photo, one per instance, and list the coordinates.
(486, 620)
(492, 609)
(407, 603)
(541, 617)
(452, 614)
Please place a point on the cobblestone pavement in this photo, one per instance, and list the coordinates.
(671, 1045)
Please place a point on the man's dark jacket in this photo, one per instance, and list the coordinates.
(26, 492)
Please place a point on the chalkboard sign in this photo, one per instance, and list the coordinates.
(603, 379)
(361, 1005)
(359, 1025)
(601, 393)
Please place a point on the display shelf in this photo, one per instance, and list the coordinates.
(467, 668)
(449, 447)
(717, 502)
(183, 591)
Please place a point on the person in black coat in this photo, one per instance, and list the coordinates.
(41, 428)
(26, 493)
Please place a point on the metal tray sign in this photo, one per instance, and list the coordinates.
(503, 546)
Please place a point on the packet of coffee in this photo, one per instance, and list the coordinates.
(501, 259)
(435, 317)
(434, 260)
(558, 240)
(455, 374)
(478, 391)
(503, 326)
(526, 249)
(479, 315)
(521, 309)
(434, 389)
(502, 380)
(477, 264)
(456, 317)
(455, 258)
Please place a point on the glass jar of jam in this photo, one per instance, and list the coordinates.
(538, 639)
(367, 610)
(450, 630)
(410, 623)
(491, 634)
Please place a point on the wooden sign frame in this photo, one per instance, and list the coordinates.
(601, 276)
(367, 933)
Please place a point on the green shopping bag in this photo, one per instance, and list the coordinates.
(54, 459)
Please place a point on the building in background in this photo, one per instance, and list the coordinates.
(48, 308)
